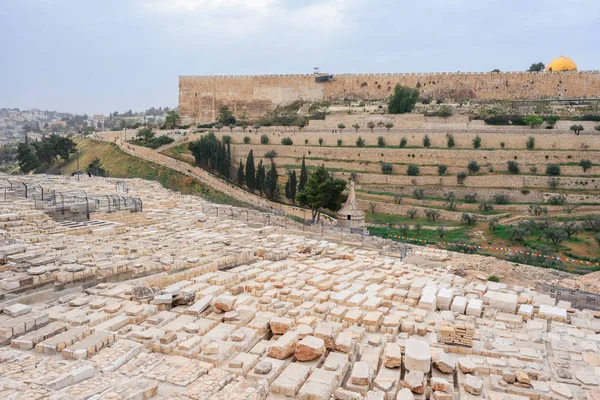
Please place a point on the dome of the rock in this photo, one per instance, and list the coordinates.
(561, 63)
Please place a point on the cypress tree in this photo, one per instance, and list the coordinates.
(271, 181)
(260, 177)
(241, 177)
(250, 172)
(293, 186)
(228, 161)
(303, 176)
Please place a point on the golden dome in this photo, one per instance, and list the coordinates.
(561, 63)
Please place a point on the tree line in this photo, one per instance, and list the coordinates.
(318, 191)
(45, 153)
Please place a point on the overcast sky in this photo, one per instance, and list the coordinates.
(98, 56)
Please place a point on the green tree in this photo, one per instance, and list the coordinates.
(261, 177)
(533, 121)
(530, 145)
(413, 170)
(585, 164)
(145, 134)
(477, 142)
(27, 157)
(577, 128)
(403, 100)
(322, 191)
(426, 141)
(291, 186)
(450, 140)
(303, 175)
(473, 167)
(360, 142)
(371, 125)
(536, 67)
(172, 119)
(380, 141)
(442, 168)
(250, 172)
(241, 177)
(225, 117)
(271, 186)
(513, 167)
(389, 126)
(386, 168)
(356, 127)
(341, 127)
(64, 147)
(403, 142)
(553, 169)
(264, 139)
(555, 234)
(95, 168)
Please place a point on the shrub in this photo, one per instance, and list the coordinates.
(553, 169)
(533, 169)
(450, 198)
(461, 176)
(444, 111)
(442, 169)
(493, 278)
(360, 142)
(356, 127)
(513, 167)
(287, 141)
(403, 142)
(597, 127)
(305, 141)
(450, 141)
(553, 183)
(387, 168)
(432, 214)
(486, 206)
(426, 141)
(470, 198)
(339, 142)
(558, 200)
(493, 224)
(402, 100)
(537, 210)
(477, 142)
(320, 141)
(468, 219)
(501, 198)
(398, 198)
(271, 154)
(530, 144)
(264, 139)
(473, 167)
(226, 139)
(418, 193)
(533, 121)
(585, 164)
(246, 139)
(380, 141)
(412, 212)
(413, 170)
(502, 144)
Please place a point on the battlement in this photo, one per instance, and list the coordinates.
(391, 74)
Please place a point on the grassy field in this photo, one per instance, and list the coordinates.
(122, 165)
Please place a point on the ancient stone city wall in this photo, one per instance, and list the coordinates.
(200, 97)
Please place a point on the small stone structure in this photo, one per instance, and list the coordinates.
(350, 215)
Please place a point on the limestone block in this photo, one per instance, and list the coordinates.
(552, 313)
(473, 384)
(417, 355)
(225, 303)
(309, 348)
(284, 347)
(392, 357)
(505, 302)
(415, 381)
(444, 299)
(459, 304)
(16, 310)
(405, 394)
(475, 307)
(280, 325)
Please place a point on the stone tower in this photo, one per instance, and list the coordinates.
(350, 215)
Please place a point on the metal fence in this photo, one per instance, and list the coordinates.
(324, 229)
(578, 298)
(73, 205)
